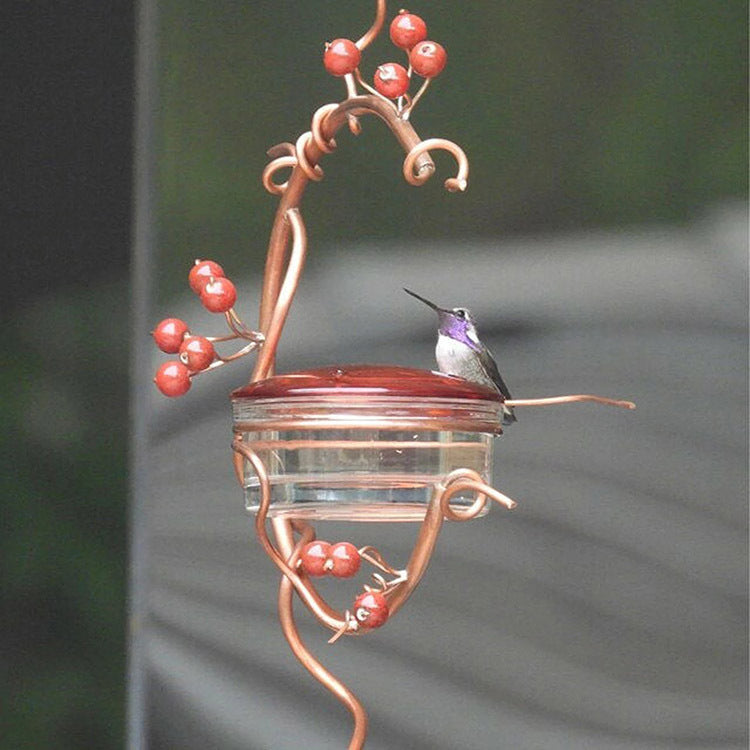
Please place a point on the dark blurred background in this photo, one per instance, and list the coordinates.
(575, 116)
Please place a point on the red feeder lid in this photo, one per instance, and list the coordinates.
(367, 380)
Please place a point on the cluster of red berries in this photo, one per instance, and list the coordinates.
(320, 558)
(172, 335)
(342, 560)
(409, 33)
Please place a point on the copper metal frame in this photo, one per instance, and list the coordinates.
(285, 260)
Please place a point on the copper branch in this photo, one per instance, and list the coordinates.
(312, 665)
(552, 400)
(264, 365)
(377, 24)
(322, 611)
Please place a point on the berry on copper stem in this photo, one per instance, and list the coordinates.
(341, 57)
(173, 379)
(428, 59)
(169, 334)
(407, 29)
(202, 272)
(197, 352)
(313, 557)
(345, 560)
(391, 80)
(218, 295)
(371, 609)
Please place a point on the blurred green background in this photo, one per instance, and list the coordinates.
(573, 114)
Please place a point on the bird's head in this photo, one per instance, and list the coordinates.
(456, 323)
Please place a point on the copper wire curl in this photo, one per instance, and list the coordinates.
(317, 141)
(452, 184)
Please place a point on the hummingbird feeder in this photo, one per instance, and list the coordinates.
(346, 442)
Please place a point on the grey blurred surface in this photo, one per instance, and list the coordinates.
(608, 611)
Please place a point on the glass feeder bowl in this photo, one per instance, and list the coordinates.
(363, 443)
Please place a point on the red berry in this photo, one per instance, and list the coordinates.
(428, 59)
(169, 334)
(218, 295)
(407, 30)
(341, 57)
(173, 379)
(345, 559)
(371, 609)
(197, 353)
(391, 80)
(201, 272)
(313, 557)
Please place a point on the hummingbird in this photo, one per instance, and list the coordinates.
(460, 352)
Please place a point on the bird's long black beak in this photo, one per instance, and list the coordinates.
(426, 301)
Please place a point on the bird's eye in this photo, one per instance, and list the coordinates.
(461, 314)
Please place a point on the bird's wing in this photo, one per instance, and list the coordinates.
(491, 371)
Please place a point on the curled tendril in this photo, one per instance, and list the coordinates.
(281, 149)
(282, 162)
(326, 146)
(289, 156)
(237, 355)
(462, 480)
(452, 184)
(374, 557)
(314, 173)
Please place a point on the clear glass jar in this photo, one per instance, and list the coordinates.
(363, 443)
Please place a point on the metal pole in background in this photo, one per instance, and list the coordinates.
(143, 234)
